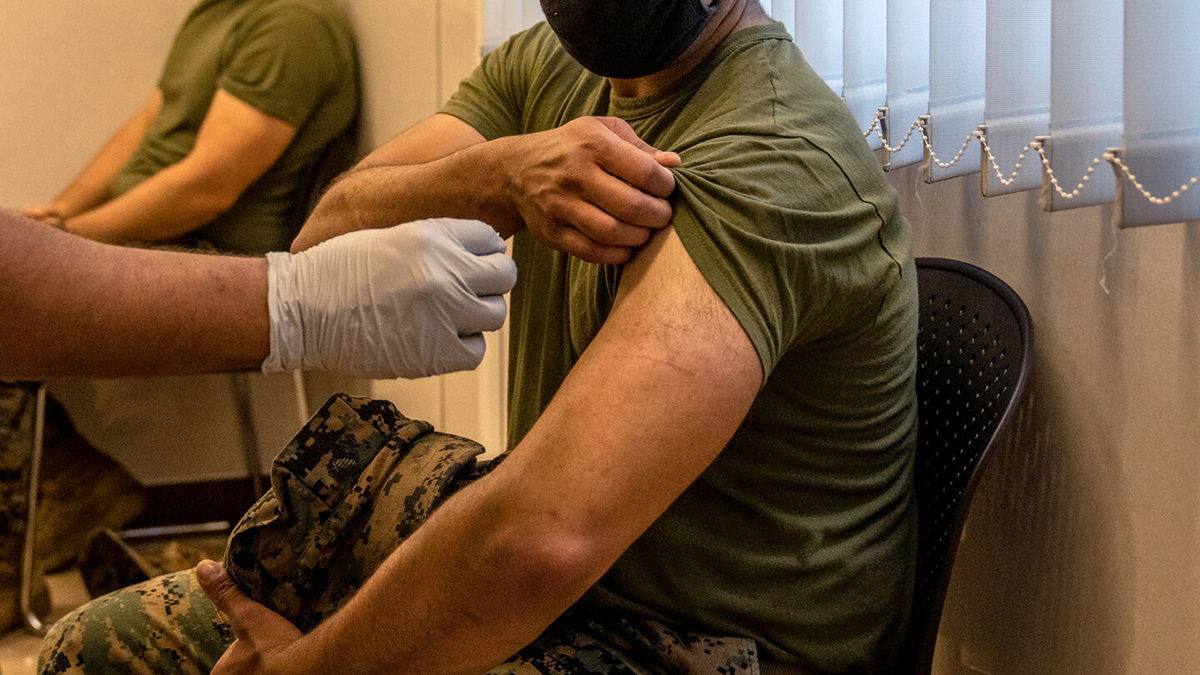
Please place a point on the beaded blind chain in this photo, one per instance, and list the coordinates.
(1037, 146)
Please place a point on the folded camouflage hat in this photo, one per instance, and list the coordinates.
(353, 483)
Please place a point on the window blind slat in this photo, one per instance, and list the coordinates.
(907, 77)
(1161, 144)
(1085, 115)
(819, 36)
(1016, 106)
(864, 60)
(956, 75)
(784, 11)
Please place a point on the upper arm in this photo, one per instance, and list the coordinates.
(652, 401)
(235, 145)
(149, 110)
(283, 66)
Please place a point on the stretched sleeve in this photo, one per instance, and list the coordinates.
(784, 237)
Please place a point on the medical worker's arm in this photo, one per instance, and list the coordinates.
(653, 400)
(90, 187)
(236, 145)
(404, 301)
(590, 187)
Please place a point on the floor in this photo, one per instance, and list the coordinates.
(19, 648)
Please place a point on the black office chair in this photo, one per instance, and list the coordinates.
(973, 359)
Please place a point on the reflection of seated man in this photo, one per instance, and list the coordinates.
(712, 439)
(252, 92)
(221, 155)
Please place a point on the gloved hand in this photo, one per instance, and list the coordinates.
(407, 301)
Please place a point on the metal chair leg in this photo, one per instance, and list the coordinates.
(28, 550)
(249, 432)
(249, 429)
(301, 391)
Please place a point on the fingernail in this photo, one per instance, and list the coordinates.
(208, 570)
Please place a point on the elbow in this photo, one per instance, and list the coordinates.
(205, 192)
(201, 201)
(213, 200)
(300, 243)
(548, 565)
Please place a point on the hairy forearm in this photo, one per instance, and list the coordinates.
(469, 183)
(69, 306)
(164, 207)
(90, 187)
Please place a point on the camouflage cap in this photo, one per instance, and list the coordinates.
(345, 491)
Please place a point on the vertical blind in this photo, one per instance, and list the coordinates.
(907, 79)
(1085, 110)
(864, 60)
(1016, 92)
(1160, 150)
(1088, 101)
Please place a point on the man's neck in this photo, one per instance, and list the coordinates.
(732, 16)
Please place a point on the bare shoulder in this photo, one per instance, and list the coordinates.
(665, 301)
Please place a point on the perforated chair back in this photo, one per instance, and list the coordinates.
(973, 359)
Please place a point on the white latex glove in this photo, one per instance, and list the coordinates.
(408, 301)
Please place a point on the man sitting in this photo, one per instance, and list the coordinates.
(224, 151)
(222, 156)
(711, 441)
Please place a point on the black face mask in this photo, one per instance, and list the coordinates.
(626, 38)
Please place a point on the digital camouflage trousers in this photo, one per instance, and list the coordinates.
(16, 431)
(354, 483)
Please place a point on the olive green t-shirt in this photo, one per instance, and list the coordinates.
(293, 60)
(801, 534)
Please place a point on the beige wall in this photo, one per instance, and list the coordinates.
(1082, 554)
(72, 70)
(413, 54)
(1083, 551)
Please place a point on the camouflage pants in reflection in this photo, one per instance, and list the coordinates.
(16, 406)
(356, 480)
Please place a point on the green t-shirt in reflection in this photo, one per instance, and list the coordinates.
(293, 60)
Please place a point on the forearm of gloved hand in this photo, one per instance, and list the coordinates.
(409, 301)
(73, 307)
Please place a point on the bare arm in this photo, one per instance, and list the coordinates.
(668, 379)
(392, 184)
(69, 306)
(590, 187)
(90, 187)
(235, 145)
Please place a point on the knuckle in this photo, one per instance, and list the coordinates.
(652, 212)
(640, 236)
(605, 228)
(571, 180)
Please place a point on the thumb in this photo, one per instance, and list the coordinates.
(626, 133)
(220, 588)
(244, 614)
